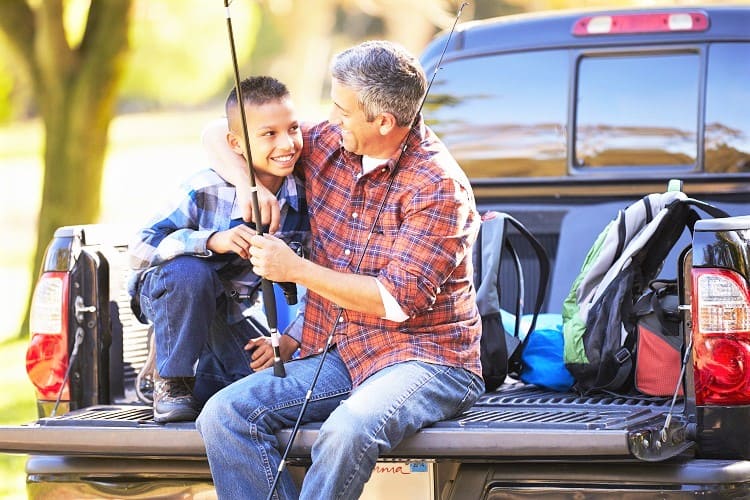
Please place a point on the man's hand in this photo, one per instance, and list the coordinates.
(273, 259)
(262, 356)
(235, 240)
(268, 205)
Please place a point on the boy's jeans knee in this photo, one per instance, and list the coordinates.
(186, 302)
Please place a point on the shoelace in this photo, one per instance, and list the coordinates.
(175, 388)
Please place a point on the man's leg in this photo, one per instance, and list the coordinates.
(386, 408)
(238, 424)
(179, 297)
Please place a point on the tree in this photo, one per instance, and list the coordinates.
(75, 89)
(301, 39)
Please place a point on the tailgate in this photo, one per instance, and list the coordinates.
(514, 422)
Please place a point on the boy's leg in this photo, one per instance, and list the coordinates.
(386, 408)
(224, 359)
(238, 424)
(179, 297)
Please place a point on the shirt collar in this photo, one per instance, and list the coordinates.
(288, 191)
(413, 139)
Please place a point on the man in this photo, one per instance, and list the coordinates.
(193, 254)
(401, 312)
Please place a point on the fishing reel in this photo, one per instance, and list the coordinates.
(289, 289)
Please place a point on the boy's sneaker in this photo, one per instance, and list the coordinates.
(173, 400)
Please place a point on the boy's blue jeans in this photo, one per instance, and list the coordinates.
(186, 302)
(238, 424)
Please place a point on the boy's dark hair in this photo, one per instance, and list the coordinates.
(257, 90)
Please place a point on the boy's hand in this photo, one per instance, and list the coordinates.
(235, 240)
(262, 356)
(267, 203)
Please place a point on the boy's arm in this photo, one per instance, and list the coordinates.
(163, 241)
(173, 231)
(233, 168)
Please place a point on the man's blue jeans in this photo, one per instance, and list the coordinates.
(186, 302)
(238, 424)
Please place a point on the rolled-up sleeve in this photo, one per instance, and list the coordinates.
(436, 234)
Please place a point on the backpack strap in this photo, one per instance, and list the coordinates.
(711, 210)
(544, 266)
(492, 243)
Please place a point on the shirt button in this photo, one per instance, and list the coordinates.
(347, 252)
(320, 350)
(355, 215)
(341, 319)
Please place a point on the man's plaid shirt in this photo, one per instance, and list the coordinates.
(420, 251)
(204, 204)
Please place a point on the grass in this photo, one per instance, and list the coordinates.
(16, 406)
(148, 155)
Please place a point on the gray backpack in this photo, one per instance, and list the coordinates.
(598, 318)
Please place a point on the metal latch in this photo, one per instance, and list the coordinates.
(80, 308)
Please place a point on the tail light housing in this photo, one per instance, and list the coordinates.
(47, 353)
(721, 337)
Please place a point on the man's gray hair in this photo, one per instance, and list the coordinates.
(386, 78)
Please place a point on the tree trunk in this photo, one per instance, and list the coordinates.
(75, 89)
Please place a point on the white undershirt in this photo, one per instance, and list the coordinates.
(393, 311)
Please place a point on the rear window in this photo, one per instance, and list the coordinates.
(728, 108)
(637, 110)
(503, 115)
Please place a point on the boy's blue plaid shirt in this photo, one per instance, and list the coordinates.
(205, 204)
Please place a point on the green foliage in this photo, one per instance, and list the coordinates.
(6, 86)
(14, 91)
(181, 54)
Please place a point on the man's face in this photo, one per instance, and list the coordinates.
(358, 135)
(275, 137)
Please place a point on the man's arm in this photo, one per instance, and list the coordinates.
(233, 168)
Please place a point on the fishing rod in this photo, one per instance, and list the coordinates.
(329, 340)
(269, 298)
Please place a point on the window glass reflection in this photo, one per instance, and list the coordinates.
(727, 143)
(503, 115)
(637, 110)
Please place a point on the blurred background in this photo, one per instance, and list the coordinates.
(102, 103)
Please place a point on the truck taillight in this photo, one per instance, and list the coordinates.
(47, 354)
(721, 337)
(652, 22)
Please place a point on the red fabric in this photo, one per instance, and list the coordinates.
(657, 364)
(421, 252)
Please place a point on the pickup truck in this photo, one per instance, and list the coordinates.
(559, 119)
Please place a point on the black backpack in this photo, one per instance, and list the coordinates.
(501, 350)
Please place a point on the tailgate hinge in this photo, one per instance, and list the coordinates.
(658, 443)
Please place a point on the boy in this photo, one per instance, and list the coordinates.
(192, 260)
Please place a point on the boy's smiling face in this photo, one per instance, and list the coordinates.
(275, 139)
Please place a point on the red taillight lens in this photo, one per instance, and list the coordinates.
(654, 22)
(721, 337)
(47, 354)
